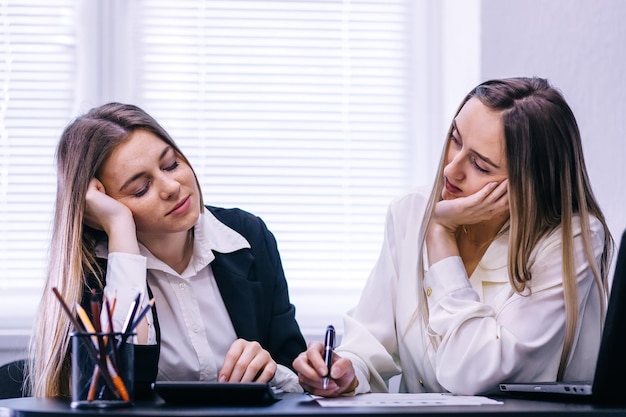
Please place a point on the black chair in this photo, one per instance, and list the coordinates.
(12, 379)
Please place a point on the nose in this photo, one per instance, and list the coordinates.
(169, 187)
(454, 167)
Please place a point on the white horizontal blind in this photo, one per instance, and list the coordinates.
(37, 81)
(293, 110)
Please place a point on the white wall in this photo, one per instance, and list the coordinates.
(580, 46)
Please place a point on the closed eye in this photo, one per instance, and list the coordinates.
(454, 139)
(143, 190)
(173, 166)
(474, 162)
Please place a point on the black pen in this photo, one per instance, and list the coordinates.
(329, 346)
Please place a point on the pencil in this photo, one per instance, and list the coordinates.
(117, 380)
(102, 341)
(120, 389)
(84, 318)
(99, 344)
(141, 315)
(95, 311)
(76, 323)
(109, 311)
(132, 326)
(131, 313)
(91, 394)
(91, 350)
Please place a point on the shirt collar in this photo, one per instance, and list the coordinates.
(213, 235)
(209, 235)
(494, 259)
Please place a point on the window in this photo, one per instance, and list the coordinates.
(38, 69)
(295, 111)
(301, 112)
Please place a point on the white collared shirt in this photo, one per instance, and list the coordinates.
(196, 330)
(486, 331)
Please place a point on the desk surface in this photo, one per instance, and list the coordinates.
(299, 405)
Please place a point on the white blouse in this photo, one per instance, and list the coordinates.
(487, 333)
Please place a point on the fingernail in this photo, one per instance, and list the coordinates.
(222, 378)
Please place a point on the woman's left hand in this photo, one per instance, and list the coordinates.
(247, 362)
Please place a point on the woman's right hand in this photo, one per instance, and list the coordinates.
(103, 212)
(312, 369)
(488, 203)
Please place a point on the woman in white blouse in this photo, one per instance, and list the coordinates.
(499, 274)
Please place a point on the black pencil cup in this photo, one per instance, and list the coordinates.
(102, 370)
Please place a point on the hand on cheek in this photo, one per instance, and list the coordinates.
(489, 202)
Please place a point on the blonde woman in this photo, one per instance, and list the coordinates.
(130, 219)
(500, 273)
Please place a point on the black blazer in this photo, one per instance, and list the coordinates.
(254, 289)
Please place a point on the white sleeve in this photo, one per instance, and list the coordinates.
(125, 278)
(481, 347)
(369, 339)
(285, 379)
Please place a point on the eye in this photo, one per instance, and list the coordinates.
(143, 190)
(454, 140)
(172, 167)
(474, 162)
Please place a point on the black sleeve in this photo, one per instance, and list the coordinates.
(285, 340)
(279, 332)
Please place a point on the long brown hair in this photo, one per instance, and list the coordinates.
(84, 146)
(548, 187)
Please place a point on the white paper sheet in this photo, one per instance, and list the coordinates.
(403, 400)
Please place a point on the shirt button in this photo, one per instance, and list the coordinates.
(429, 292)
(182, 286)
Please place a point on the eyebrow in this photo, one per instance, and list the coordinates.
(141, 174)
(479, 155)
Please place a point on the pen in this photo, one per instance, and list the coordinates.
(329, 346)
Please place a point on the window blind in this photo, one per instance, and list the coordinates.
(37, 77)
(295, 111)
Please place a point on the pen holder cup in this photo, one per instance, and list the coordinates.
(102, 370)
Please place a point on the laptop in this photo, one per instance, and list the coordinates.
(609, 378)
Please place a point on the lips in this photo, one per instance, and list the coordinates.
(452, 188)
(178, 206)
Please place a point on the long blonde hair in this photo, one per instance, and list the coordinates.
(72, 268)
(548, 186)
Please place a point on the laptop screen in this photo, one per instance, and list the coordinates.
(610, 375)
